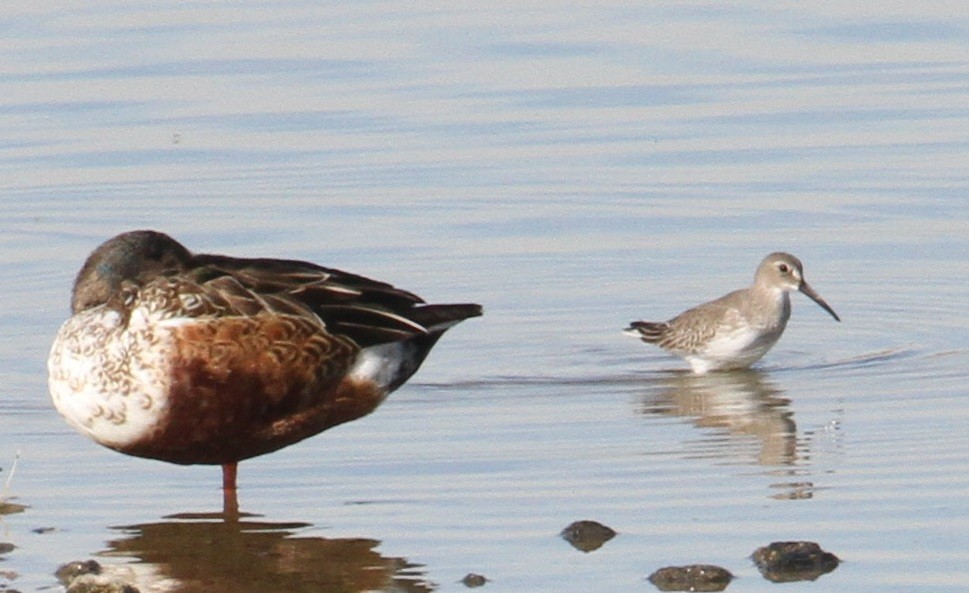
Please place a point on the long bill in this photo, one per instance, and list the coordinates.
(806, 289)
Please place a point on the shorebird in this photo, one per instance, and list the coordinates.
(195, 358)
(736, 330)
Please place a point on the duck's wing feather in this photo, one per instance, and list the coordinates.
(367, 311)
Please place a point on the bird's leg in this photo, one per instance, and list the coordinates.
(230, 503)
(229, 476)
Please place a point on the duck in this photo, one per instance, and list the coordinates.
(196, 358)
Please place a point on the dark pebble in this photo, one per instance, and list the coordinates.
(587, 536)
(70, 571)
(43, 530)
(785, 562)
(472, 580)
(693, 577)
(87, 576)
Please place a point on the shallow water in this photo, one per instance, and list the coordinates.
(572, 169)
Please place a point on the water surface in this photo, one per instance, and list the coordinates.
(571, 168)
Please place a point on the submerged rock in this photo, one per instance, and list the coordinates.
(693, 577)
(70, 571)
(87, 576)
(784, 562)
(587, 536)
(472, 580)
(90, 583)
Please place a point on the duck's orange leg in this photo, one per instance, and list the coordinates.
(230, 503)
(229, 476)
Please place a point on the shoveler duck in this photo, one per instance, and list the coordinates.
(196, 358)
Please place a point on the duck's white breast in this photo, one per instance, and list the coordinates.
(109, 379)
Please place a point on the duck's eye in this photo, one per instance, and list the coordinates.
(784, 268)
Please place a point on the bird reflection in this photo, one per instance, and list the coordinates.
(206, 552)
(742, 403)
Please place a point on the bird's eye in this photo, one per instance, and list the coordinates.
(784, 268)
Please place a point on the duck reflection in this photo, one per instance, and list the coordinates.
(743, 403)
(206, 552)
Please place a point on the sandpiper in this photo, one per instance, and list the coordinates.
(209, 359)
(737, 329)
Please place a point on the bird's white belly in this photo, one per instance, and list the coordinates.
(110, 381)
(733, 350)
